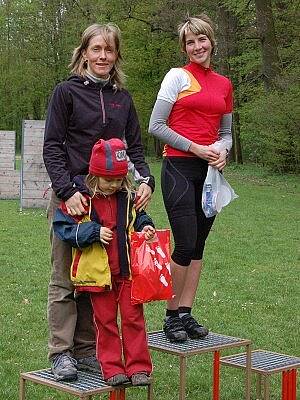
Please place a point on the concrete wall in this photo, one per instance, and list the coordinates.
(34, 178)
(30, 184)
(9, 177)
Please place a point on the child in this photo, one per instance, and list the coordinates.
(101, 264)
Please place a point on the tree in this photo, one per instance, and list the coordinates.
(266, 32)
(227, 49)
(38, 37)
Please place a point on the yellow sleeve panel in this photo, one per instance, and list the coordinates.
(194, 87)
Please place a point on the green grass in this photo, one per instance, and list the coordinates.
(249, 287)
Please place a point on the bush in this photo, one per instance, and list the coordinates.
(270, 130)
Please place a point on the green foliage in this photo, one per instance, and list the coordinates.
(145, 70)
(37, 38)
(272, 138)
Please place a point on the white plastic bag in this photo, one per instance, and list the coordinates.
(217, 192)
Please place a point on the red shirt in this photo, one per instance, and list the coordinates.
(196, 114)
(106, 209)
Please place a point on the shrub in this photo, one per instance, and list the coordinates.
(270, 130)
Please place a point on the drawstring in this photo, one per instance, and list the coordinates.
(90, 208)
(119, 284)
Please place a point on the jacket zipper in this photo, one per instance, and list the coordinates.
(102, 107)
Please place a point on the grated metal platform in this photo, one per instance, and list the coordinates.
(213, 341)
(87, 384)
(266, 362)
(87, 381)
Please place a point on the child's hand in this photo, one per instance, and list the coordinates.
(149, 232)
(106, 235)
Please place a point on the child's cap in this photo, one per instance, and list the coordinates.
(109, 158)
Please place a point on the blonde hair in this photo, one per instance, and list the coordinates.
(109, 32)
(199, 25)
(92, 184)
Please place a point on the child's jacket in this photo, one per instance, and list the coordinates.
(90, 268)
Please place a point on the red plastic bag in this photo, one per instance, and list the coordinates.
(150, 267)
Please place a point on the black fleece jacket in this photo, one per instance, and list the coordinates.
(79, 114)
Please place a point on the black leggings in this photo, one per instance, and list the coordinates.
(182, 181)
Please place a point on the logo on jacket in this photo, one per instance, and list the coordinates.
(115, 105)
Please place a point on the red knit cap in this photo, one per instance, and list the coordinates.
(109, 159)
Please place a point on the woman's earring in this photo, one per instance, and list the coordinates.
(85, 64)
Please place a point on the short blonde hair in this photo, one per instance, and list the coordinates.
(108, 32)
(199, 25)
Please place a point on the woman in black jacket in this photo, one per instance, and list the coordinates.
(89, 106)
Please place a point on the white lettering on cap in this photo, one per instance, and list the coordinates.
(121, 155)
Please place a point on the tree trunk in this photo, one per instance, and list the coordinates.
(228, 47)
(266, 32)
(237, 154)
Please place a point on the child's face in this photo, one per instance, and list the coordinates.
(109, 185)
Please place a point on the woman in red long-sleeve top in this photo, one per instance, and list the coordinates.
(192, 116)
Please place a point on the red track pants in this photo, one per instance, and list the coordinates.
(108, 342)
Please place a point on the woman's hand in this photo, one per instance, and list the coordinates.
(143, 195)
(76, 204)
(149, 232)
(106, 235)
(220, 162)
(204, 152)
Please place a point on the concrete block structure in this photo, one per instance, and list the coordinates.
(34, 178)
(9, 176)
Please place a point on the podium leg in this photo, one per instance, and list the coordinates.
(182, 378)
(216, 376)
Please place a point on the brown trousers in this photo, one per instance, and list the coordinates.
(70, 319)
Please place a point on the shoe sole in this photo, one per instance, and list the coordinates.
(178, 340)
(117, 384)
(69, 378)
(203, 336)
(142, 383)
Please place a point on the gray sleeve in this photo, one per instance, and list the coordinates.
(225, 131)
(158, 127)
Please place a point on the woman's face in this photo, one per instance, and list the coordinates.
(198, 48)
(101, 56)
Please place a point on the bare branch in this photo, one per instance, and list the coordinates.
(153, 26)
(86, 13)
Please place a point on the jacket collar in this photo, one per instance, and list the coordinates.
(84, 80)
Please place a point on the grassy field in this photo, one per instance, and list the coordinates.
(249, 287)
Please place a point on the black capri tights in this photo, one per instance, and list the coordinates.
(182, 181)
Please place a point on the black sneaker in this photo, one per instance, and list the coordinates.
(192, 328)
(89, 363)
(174, 330)
(64, 367)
